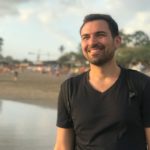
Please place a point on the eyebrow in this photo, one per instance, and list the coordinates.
(98, 32)
(84, 35)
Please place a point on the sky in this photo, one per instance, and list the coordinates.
(32, 28)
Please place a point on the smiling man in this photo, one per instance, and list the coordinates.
(107, 107)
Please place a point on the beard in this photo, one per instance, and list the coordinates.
(102, 55)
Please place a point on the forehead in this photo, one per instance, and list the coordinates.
(95, 26)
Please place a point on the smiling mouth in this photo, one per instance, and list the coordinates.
(96, 49)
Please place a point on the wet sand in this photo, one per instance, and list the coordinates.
(31, 87)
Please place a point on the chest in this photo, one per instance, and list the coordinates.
(92, 109)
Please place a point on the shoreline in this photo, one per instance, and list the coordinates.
(31, 88)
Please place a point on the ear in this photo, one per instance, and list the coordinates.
(117, 41)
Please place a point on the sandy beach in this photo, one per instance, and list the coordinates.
(31, 87)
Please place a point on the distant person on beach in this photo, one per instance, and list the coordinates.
(108, 106)
(15, 72)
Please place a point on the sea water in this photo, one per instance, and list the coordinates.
(26, 127)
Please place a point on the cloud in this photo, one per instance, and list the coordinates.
(126, 10)
(25, 14)
(7, 7)
(129, 5)
(141, 21)
(45, 10)
(52, 15)
(60, 20)
(10, 7)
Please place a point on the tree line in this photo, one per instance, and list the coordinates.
(1, 43)
(134, 48)
(137, 39)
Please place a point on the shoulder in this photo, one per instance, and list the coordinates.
(138, 78)
(72, 84)
(138, 75)
(75, 80)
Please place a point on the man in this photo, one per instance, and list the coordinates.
(97, 110)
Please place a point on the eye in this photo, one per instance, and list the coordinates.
(85, 37)
(100, 34)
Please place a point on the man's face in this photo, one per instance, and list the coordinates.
(97, 43)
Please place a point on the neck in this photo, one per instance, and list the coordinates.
(105, 71)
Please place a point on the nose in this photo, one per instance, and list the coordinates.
(92, 40)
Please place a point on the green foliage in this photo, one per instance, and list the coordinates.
(137, 39)
(61, 48)
(126, 39)
(140, 50)
(125, 56)
(72, 59)
(1, 43)
(67, 58)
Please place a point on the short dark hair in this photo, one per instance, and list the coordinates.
(111, 22)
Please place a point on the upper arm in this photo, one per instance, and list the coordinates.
(146, 105)
(65, 134)
(64, 118)
(146, 112)
(147, 134)
(64, 139)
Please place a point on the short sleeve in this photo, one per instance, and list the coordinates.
(63, 115)
(146, 105)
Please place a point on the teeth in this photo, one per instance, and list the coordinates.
(94, 50)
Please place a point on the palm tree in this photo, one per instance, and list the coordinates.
(61, 49)
(1, 43)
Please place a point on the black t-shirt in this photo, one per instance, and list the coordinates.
(108, 120)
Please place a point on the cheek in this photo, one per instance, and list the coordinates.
(109, 43)
(84, 47)
(84, 51)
